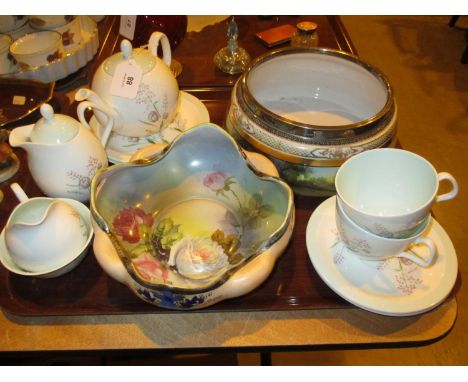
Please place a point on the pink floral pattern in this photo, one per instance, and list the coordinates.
(405, 275)
(157, 111)
(215, 181)
(150, 268)
(82, 181)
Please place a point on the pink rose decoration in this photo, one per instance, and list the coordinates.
(215, 181)
(150, 268)
(127, 221)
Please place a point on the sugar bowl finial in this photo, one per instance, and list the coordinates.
(232, 59)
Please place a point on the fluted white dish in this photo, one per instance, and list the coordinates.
(72, 60)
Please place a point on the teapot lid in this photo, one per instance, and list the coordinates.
(143, 58)
(54, 128)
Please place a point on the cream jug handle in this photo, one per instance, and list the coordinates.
(19, 192)
(80, 110)
(153, 44)
(451, 194)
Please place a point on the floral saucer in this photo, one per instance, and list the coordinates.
(191, 112)
(394, 287)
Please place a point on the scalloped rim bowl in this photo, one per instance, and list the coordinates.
(199, 224)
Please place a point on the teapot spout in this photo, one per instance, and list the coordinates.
(89, 99)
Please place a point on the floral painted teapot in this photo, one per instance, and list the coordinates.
(63, 156)
(134, 88)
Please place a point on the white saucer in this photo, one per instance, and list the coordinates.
(394, 287)
(191, 113)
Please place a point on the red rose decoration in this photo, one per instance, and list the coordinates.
(127, 221)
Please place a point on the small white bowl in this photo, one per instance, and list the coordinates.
(68, 26)
(67, 265)
(38, 48)
(7, 64)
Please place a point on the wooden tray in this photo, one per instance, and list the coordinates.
(293, 284)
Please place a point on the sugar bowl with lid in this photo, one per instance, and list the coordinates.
(63, 156)
(135, 88)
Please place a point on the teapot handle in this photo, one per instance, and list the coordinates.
(155, 39)
(82, 106)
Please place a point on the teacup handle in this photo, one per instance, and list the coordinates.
(451, 194)
(417, 259)
(155, 39)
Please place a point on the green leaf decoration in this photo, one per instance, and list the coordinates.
(144, 232)
(265, 211)
(174, 237)
(254, 222)
(165, 226)
(231, 219)
(139, 250)
(253, 204)
(258, 197)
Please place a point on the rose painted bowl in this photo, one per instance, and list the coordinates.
(329, 106)
(193, 224)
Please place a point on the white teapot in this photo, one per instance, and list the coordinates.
(134, 88)
(63, 156)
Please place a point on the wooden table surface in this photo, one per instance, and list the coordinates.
(268, 329)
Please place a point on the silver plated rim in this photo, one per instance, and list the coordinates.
(295, 128)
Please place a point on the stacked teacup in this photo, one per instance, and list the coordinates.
(383, 204)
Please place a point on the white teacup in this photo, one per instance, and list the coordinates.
(70, 30)
(38, 48)
(390, 192)
(7, 62)
(368, 246)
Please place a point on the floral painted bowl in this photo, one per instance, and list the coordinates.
(193, 224)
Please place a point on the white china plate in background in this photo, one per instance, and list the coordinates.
(394, 287)
(191, 112)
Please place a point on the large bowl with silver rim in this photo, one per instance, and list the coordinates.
(309, 110)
